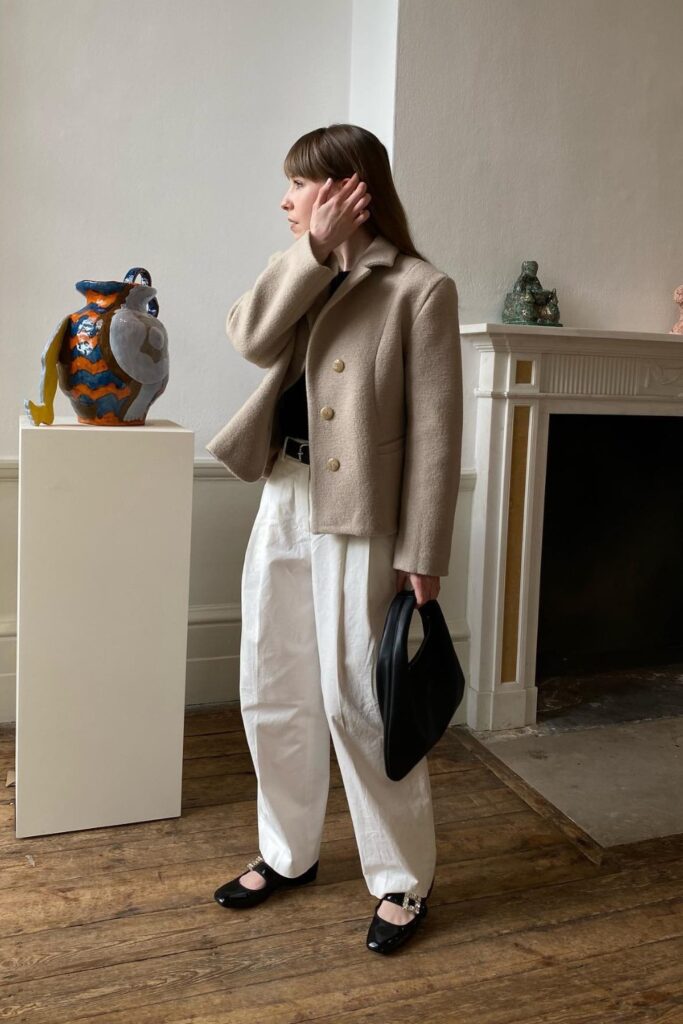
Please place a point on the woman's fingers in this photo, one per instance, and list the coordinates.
(350, 184)
(323, 193)
(352, 190)
(357, 195)
(356, 205)
(426, 588)
(350, 194)
(360, 211)
(362, 202)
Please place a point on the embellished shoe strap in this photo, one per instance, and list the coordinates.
(408, 900)
(261, 868)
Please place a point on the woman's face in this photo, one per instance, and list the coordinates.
(298, 202)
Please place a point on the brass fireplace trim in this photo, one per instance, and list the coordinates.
(519, 458)
(523, 371)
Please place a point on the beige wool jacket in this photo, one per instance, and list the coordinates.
(384, 385)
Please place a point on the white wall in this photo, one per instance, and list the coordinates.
(546, 130)
(372, 87)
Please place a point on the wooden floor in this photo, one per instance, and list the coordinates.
(119, 925)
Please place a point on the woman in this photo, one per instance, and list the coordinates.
(356, 428)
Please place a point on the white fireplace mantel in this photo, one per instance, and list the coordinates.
(514, 377)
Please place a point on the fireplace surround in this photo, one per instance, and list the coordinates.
(514, 378)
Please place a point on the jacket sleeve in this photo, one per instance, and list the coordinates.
(434, 417)
(262, 321)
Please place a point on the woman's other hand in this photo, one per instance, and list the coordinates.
(426, 587)
(337, 211)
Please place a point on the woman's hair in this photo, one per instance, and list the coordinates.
(339, 150)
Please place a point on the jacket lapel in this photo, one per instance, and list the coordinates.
(380, 253)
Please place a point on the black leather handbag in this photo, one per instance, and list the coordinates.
(417, 698)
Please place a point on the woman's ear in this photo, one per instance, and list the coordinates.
(337, 184)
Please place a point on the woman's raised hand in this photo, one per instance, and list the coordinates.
(335, 215)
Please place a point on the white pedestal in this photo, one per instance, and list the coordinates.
(103, 589)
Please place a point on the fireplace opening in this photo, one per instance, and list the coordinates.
(610, 625)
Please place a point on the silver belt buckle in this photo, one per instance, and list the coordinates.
(301, 444)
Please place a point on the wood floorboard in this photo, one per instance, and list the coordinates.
(42, 863)
(621, 958)
(118, 925)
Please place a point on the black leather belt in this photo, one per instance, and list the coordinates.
(297, 449)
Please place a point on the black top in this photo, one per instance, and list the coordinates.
(292, 407)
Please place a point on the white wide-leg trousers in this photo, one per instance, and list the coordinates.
(313, 610)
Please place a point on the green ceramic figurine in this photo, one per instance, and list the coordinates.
(529, 303)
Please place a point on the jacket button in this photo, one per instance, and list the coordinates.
(338, 365)
(333, 464)
(327, 412)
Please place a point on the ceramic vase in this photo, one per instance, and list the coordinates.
(114, 361)
(110, 357)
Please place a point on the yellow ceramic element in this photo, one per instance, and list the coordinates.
(45, 413)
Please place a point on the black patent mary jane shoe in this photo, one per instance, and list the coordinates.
(384, 936)
(237, 896)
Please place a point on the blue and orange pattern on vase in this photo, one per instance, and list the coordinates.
(86, 376)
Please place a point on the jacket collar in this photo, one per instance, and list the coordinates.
(380, 253)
